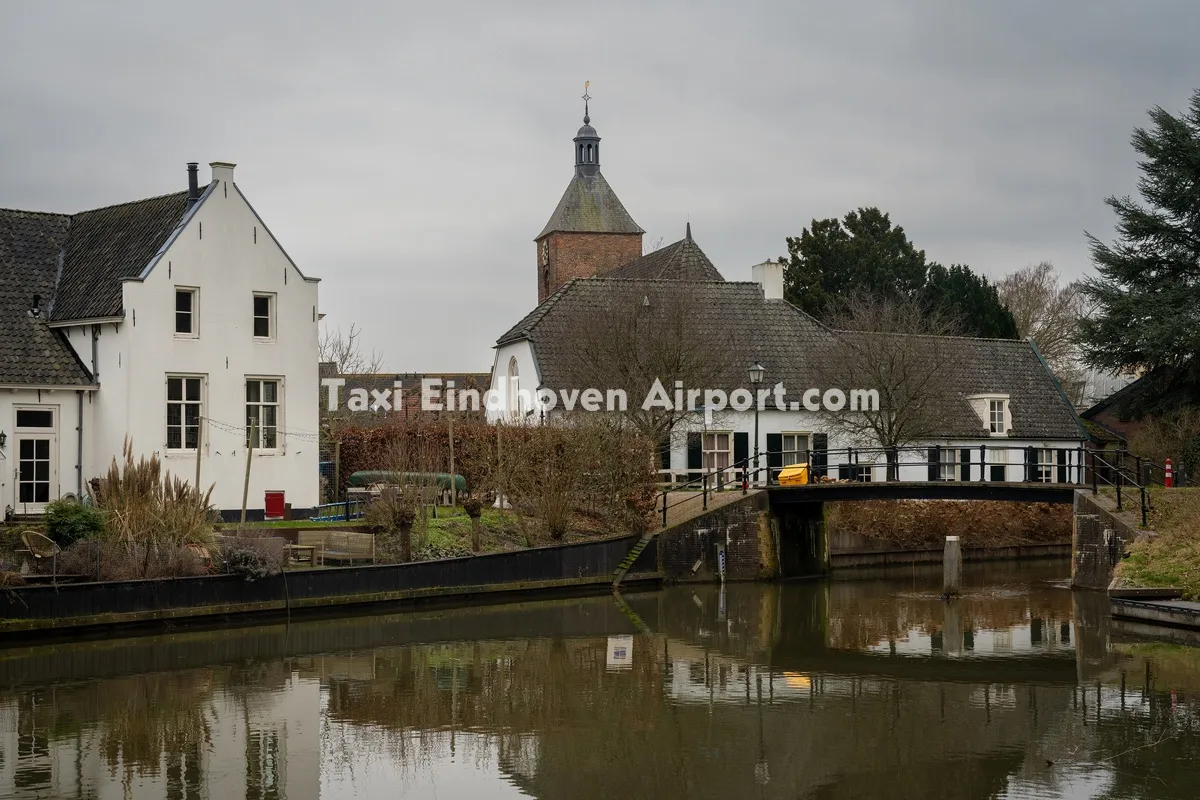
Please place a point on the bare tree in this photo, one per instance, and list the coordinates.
(345, 351)
(648, 331)
(896, 348)
(1048, 312)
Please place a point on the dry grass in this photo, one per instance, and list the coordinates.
(1170, 558)
(926, 523)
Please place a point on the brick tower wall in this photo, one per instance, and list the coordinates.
(582, 255)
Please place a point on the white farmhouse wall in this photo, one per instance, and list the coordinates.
(529, 379)
(65, 454)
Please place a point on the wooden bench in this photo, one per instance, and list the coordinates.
(338, 546)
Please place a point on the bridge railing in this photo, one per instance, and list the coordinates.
(982, 463)
(1114, 474)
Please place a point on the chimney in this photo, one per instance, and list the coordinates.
(222, 171)
(193, 182)
(769, 275)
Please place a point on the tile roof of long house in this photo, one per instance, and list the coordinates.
(790, 345)
(76, 263)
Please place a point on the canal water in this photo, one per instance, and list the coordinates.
(872, 687)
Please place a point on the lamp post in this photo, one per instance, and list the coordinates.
(757, 372)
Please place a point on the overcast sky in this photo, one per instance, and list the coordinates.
(407, 154)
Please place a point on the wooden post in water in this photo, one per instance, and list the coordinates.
(952, 567)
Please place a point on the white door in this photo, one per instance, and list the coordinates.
(36, 468)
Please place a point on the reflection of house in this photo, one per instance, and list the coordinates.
(592, 274)
(177, 321)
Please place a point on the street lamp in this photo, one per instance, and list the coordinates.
(757, 372)
(3, 439)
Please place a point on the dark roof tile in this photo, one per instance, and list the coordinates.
(589, 205)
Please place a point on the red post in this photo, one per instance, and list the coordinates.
(1169, 475)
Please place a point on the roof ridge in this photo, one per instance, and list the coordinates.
(36, 213)
(127, 203)
(1024, 341)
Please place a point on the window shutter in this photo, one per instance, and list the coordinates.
(664, 452)
(741, 449)
(695, 456)
(775, 454)
(1063, 458)
(935, 454)
(964, 460)
(1029, 464)
(820, 456)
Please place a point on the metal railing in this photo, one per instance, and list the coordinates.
(1116, 475)
(859, 465)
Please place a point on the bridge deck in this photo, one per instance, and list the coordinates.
(1060, 493)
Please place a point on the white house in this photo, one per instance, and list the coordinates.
(178, 321)
(1005, 418)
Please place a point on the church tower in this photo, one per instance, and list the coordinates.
(590, 232)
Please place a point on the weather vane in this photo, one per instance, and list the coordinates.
(586, 97)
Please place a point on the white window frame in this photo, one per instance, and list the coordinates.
(260, 404)
(194, 333)
(183, 402)
(50, 433)
(797, 452)
(948, 464)
(1045, 465)
(272, 314)
(997, 406)
(706, 451)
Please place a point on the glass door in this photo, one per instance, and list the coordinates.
(37, 454)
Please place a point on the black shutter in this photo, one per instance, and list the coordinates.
(775, 454)
(820, 456)
(741, 449)
(1063, 458)
(664, 452)
(695, 456)
(934, 458)
(1029, 464)
(964, 460)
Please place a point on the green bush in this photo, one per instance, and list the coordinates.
(68, 521)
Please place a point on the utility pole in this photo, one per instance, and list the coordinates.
(453, 482)
(249, 455)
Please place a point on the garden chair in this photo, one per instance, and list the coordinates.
(40, 547)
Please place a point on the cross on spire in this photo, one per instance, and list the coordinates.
(586, 97)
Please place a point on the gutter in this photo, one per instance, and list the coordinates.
(79, 450)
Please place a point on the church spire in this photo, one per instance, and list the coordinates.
(587, 142)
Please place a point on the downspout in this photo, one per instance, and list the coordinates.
(95, 354)
(79, 450)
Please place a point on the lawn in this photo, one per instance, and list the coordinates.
(1171, 557)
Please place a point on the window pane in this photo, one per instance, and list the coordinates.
(191, 415)
(262, 306)
(41, 470)
(268, 416)
(35, 418)
(41, 493)
(710, 441)
(174, 388)
(262, 327)
(183, 322)
(174, 414)
(268, 438)
(26, 471)
(183, 301)
(190, 437)
(270, 392)
(193, 389)
(26, 493)
(26, 448)
(174, 438)
(722, 441)
(253, 391)
(41, 448)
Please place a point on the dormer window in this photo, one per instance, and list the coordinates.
(997, 413)
(187, 311)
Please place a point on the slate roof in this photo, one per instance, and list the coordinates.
(30, 352)
(108, 244)
(589, 205)
(790, 345)
(682, 261)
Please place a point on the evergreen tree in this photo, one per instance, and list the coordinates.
(1146, 295)
(864, 255)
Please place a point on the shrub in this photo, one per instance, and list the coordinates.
(68, 521)
(249, 562)
(392, 510)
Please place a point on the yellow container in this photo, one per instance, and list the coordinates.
(794, 475)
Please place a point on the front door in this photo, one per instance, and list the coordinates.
(36, 465)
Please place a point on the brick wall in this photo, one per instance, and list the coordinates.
(1095, 553)
(582, 255)
(744, 527)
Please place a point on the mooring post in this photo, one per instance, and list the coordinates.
(952, 567)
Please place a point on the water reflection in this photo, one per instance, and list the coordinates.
(838, 689)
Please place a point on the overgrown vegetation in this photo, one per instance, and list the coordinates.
(1171, 557)
(927, 523)
(1174, 435)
